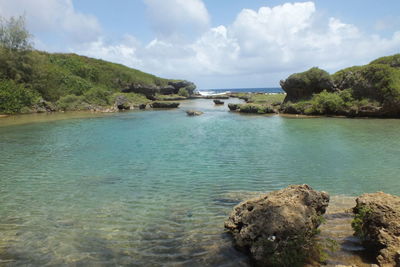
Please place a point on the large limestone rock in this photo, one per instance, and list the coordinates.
(301, 86)
(165, 104)
(378, 223)
(122, 103)
(150, 91)
(278, 228)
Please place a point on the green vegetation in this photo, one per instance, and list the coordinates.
(28, 77)
(183, 92)
(267, 99)
(172, 97)
(358, 222)
(13, 96)
(370, 90)
(256, 108)
(257, 103)
(299, 249)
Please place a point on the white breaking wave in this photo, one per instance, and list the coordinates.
(208, 93)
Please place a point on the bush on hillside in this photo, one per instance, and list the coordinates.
(71, 102)
(377, 82)
(392, 61)
(14, 97)
(183, 92)
(327, 103)
(97, 96)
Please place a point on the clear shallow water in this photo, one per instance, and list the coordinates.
(155, 187)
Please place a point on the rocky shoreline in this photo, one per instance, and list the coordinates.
(297, 226)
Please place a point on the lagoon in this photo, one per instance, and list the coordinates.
(154, 187)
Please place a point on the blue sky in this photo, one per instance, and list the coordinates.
(216, 44)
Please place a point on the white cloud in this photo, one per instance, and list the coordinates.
(257, 49)
(259, 45)
(124, 52)
(58, 17)
(178, 17)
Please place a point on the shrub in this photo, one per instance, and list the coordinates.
(376, 82)
(301, 107)
(183, 92)
(327, 103)
(392, 61)
(358, 221)
(71, 102)
(98, 96)
(255, 108)
(13, 97)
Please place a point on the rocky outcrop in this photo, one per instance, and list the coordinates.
(233, 107)
(164, 104)
(150, 91)
(218, 102)
(194, 113)
(278, 229)
(377, 222)
(122, 103)
(189, 86)
(301, 86)
(44, 106)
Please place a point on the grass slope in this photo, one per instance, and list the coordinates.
(31, 78)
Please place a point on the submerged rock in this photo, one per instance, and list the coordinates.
(165, 104)
(218, 102)
(278, 228)
(194, 113)
(233, 107)
(377, 222)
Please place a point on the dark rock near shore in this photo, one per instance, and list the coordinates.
(218, 102)
(44, 106)
(142, 106)
(122, 103)
(377, 222)
(194, 113)
(233, 107)
(276, 226)
(165, 104)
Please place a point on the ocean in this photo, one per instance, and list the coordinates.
(275, 90)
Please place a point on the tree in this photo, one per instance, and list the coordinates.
(13, 34)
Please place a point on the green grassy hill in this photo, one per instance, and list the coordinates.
(32, 81)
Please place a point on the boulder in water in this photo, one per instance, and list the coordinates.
(165, 104)
(194, 113)
(279, 228)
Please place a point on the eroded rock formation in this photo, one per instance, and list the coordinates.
(278, 228)
(377, 222)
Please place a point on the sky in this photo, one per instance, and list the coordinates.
(216, 43)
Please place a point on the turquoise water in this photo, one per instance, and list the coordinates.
(154, 187)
